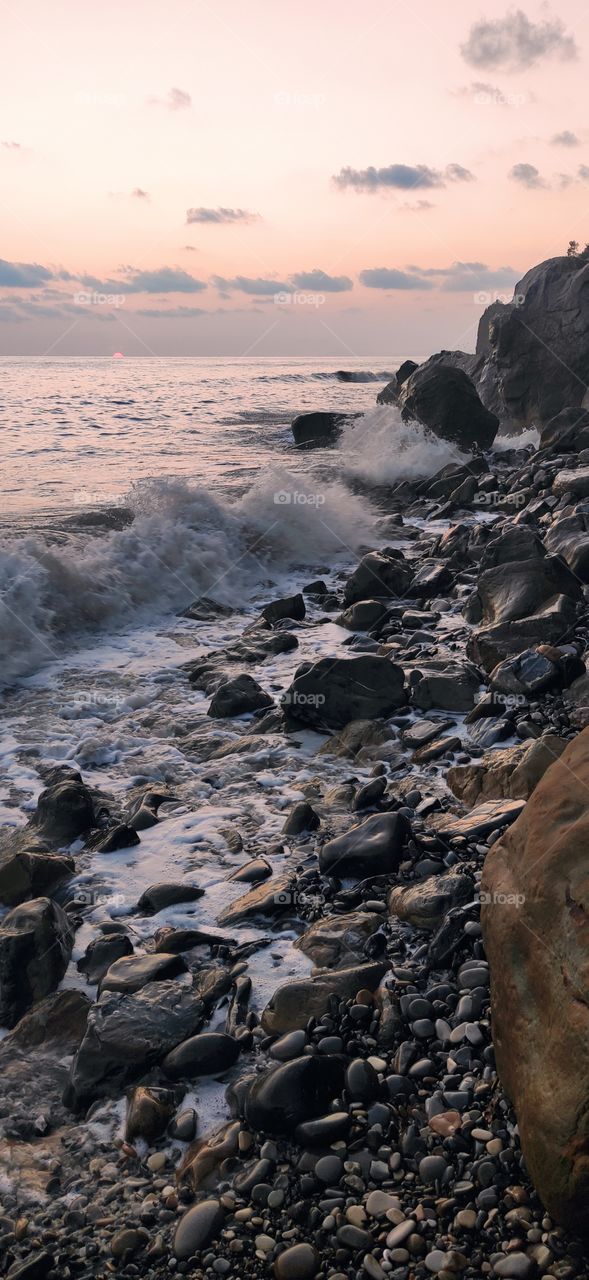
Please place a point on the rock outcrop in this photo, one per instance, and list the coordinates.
(535, 922)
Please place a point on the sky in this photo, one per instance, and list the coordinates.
(302, 178)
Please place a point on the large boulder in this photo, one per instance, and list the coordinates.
(379, 574)
(373, 848)
(127, 1033)
(319, 428)
(239, 697)
(538, 353)
(569, 538)
(567, 432)
(425, 905)
(294, 1091)
(296, 1001)
(449, 686)
(535, 919)
(28, 869)
(534, 603)
(334, 942)
(390, 392)
(330, 693)
(36, 942)
(512, 773)
(65, 810)
(445, 400)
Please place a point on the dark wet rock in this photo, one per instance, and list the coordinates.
(130, 973)
(101, 953)
(207, 1054)
(183, 1127)
(290, 1046)
(390, 393)
(127, 1034)
(319, 428)
(118, 837)
(515, 544)
(298, 1262)
(206, 610)
(361, 1081)
(65, 810)
(239, 697)
(569, 538)
(287, 607)
(159, 896)
(534, 603)
(535, 929)
(575, 483)
(252, 872)
(176, 940)
(60, 1020)
(294, 1003)
(432, 578)
(330, 693)
(292, 1092)
(437, 749)
(265, 900)
(324, 1130)
(449, 686)
(445, 400)
(485, 818)
(28, 869)
(567, 432)
(513, 773)
(375, 847)
(333, 942)
(424, 731)
(149, 1112)
(300, 819)
(426, 904)
(36, 942)
(363, 616)
(380, 574)
(360, 740)
(527, 674)
(370, 795)
(197, 1228)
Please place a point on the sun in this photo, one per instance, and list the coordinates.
(118, 355)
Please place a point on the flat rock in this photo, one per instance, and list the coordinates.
(330, 693)
(481, 820)
(130, 973)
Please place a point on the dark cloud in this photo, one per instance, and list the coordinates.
(259, 287)
(139, 194)
(23, 275)
(391, 278)
(161, 280)
(514, 42)
(459, 277)
(528, 176)
(565, 139)
(320, 281)
(220, 215)
(172, 313)
(400, 177)
(175, 100)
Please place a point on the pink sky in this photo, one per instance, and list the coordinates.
(116, 119)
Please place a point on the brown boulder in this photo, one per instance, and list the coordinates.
(510, 774)
(294, 1003)
(535, 920)
(337, 941)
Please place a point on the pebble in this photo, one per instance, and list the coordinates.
(300, 1262)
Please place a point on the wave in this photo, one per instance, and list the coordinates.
(330, 375)
(183, 543)
(382, 449)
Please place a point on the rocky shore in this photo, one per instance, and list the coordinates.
(413, 1102)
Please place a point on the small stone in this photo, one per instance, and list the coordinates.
(126, 1241)
(300, 1262)
(516, 1266)
(329, 1169)
(197, 1228)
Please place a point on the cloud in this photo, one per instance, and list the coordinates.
(391, 278)
(160, 280)
(565, 139)
(139, 194)
(528, 176)
(514, 43)
(12, 146)
(175, 100)
(487, 95)
(172, 313)
(221, 215)
(400, 177)
(418, 206)
(459, 277)
(259, 287)
(320, 281)
(583, 173)
(23, 275)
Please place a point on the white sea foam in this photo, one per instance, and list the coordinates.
(183, 543)
(382, 449)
